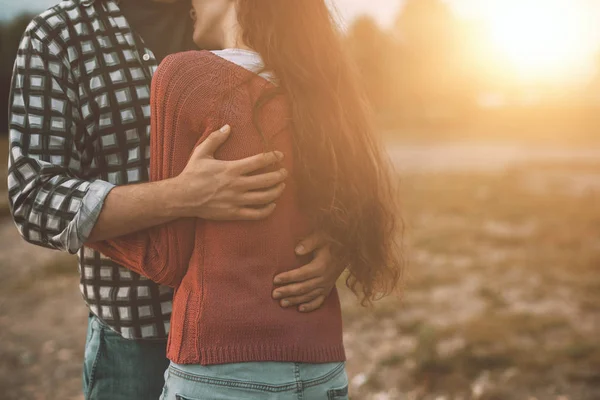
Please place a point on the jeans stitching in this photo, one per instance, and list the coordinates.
(96, 358)
(233, 384)
(325, 378)
(299, 386)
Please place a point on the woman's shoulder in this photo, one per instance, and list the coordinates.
(197, 67)
(196, 60)
(186, 61)
(175, 59)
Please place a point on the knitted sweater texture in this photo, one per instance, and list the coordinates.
(222, 271)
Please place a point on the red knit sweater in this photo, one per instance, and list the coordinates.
(223, 271)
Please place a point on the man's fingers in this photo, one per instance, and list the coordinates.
(259, 161)
(265, 197)
(310, 244)
(213, 141)
(312, 305)
(301, 274)
(297, 289)
(255, 213)
(294, 301)
(263, 181)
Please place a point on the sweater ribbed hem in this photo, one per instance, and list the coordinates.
(239, 354)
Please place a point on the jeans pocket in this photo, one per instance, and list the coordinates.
(338, 394)
(339, 387)
(91, 355)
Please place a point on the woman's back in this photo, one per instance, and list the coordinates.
(223, 311)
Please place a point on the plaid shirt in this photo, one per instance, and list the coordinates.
(79, 125)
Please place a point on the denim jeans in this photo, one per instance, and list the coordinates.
(121, 369)
(256, 380)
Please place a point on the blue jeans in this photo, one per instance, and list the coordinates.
(120, 369)
(256, 380)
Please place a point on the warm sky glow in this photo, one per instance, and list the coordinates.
(542, 39)
(547, 40)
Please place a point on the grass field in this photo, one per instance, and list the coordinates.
(501, 297)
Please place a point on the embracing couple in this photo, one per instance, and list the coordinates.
(214, 197)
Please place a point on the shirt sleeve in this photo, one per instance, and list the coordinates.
(51, 203)
(162, 253)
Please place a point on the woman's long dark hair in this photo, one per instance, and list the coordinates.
(344, 176)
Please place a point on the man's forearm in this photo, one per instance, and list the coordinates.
(207, 188)
(133, 208)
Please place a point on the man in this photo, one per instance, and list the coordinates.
(79, 149)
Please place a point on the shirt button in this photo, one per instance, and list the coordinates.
(146, 57)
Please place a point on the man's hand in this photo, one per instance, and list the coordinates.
(308, 286)
(206, 188)
(223, 190)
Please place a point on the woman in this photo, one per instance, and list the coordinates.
(283, 84)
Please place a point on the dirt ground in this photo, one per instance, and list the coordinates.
(501, 299)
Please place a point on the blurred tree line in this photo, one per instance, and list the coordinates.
(418, 73)
(426, 75)
(434, 75)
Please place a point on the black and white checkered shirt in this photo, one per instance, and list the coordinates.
(79, 125)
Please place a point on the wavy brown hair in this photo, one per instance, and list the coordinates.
(344, 177)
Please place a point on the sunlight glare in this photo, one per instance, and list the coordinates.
(541, 38)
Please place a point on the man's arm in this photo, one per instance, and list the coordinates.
(126, 209)
(207, 188)
(51, 204)
(162, 253)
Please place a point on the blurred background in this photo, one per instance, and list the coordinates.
(491, 113)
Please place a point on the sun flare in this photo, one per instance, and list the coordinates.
(541, 38)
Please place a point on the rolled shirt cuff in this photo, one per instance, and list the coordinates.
(80, 228)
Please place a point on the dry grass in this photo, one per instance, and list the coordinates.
(502, 297)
